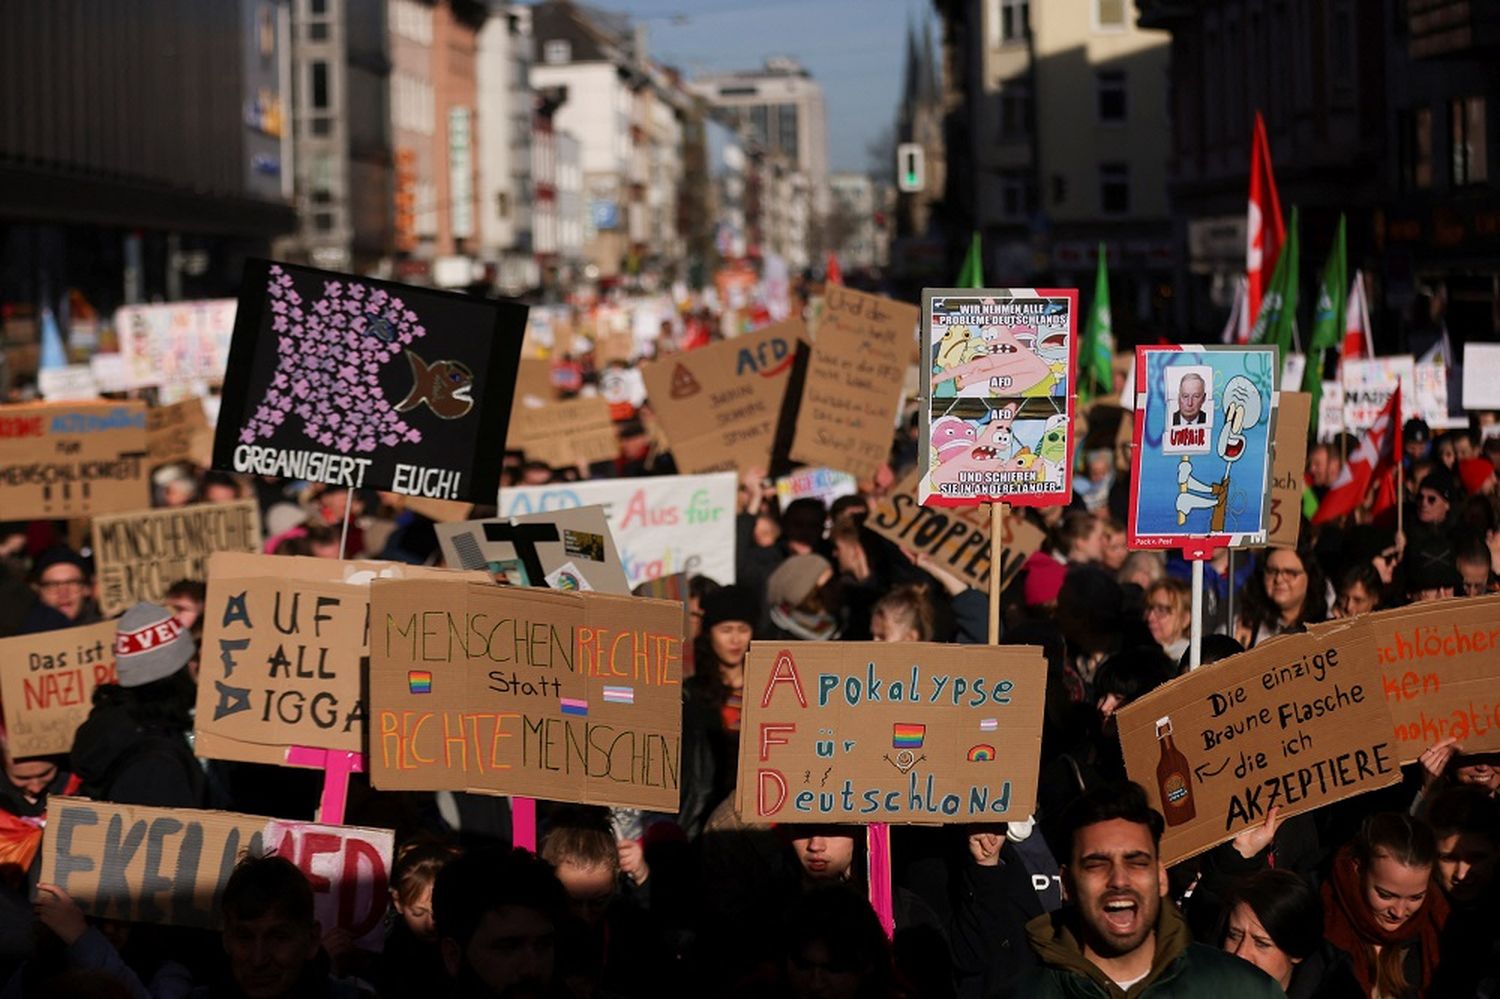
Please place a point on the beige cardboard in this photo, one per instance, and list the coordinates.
(957, 537)
(1439, 666)
(583, 557)
(179, 432)
(169, 865)
(1298, 722)
(469, 685)
(719, 405)
(47, 683)
(1288, 460)
(436, 510)
(284, 644)
(854, 379)
(72, 459)
(565, 432)
(822, 733)
(138, 556)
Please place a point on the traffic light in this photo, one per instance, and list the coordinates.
(910, 168)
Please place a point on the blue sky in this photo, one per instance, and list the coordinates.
(855, 48)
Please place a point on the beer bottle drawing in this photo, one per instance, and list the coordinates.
(1174, 778)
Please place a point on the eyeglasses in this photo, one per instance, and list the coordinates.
(1431, 498)
(57, 584)
(1272, 573)
(1160, 609)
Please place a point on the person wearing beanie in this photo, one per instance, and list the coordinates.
(795, 601)
(133, 748)
(711, 698)
(64, 581)
(1477, 475)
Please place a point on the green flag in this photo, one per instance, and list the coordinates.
(1096, 358)
(1328, 321)
(972, 275)
(1277, 320)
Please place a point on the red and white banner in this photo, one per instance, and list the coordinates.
(1358, 343)
(1265, 232)
(1379, 450)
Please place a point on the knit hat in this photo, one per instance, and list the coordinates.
(795, 578)
(150, 645)
(1044, 579)
(730, 603)
(1440, 481)
(61, 555)
(1475, 472)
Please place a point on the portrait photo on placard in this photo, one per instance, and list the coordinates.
(1190, 416)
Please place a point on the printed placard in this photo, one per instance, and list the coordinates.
(1481, 389)
(179, 432)
(568, 549)
(285, 639)
(1440, 670)
(1201, 470)
(1296, 722)
(363, 383)
(138, 556)
(1288, 461)
(662, 524)
(175, 343)
(72, 459)
(825, 484)
(509, 690)
(719, 404)
(854, 381)
(47, 683)
(170, 865)
(997, 411)
(1368, 385)
(957, 537)
(906, 732)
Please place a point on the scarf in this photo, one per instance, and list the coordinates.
(1349, 924)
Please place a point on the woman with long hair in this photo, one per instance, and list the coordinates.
(1286, 593)
(1275, 921)
(1169, 615)
(1382, 907)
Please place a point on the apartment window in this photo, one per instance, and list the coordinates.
(557, 52)
(786, 129)
(319, 85)
(317, 8)
(760, 124)
(317, 32)
(1015, 108)
(323, 221)
(1114, 188)
(1416, 149)
(1109, 15)
(322, 126)
(1341, 40)
(1111, 91)
(1015, 20)
(1017, 195)
(1470, 154)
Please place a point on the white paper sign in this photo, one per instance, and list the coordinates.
(661, 524)
(1292, 367)
(1368, 384)
(73, 382)
(1331, 412)
(179, 342)
(1482, 376)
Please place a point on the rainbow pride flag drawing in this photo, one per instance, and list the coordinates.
(419, 681)
(907, 736)
(574, 706)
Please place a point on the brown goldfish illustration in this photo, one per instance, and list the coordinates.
(443, 385)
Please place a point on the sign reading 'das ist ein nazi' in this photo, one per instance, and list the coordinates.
(512, 690)
(1297, 722)
(362, 383)
(890, 732)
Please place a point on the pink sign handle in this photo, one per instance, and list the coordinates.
(523, 823)
(336, 766)
(879, 836)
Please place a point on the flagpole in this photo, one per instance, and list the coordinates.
(997, 554)
(1229, 612)
(1195, 646)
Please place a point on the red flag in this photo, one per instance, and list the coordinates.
(1357, 340)
(1265, 231)
(831, 272)
(1379, 450)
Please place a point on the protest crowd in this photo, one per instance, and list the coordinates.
(1388, 893)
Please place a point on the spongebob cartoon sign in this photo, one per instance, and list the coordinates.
(997, 407)
(1204, 423)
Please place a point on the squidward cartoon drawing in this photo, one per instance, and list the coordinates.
(1242, 411)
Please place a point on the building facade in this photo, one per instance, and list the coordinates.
(506, 114)
(852, 230)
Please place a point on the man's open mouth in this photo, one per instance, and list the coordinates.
(1120, 914)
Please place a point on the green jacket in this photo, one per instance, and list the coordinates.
(1180, 969)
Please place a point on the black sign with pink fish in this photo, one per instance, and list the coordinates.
(351, 381)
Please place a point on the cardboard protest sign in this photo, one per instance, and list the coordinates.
(825, 484)
(1431, 391)
(179, 432)
(1201, 471)
(890, 732)
(512, 690)
(175, 343)
(1481, 389)
(1369, 383)
(564, 432)
(1331, 411)
(719, 404)
(72, 459)
(662, 524)
(854, 379)
(957, 538)
(284, 641)
(170, 865)
(1297, 721)
(1439, 666)
(47, 683)
(564, 550)
(362, 383)
(438, 511)
(997, 411)
(1288, 461)
(138, 556)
